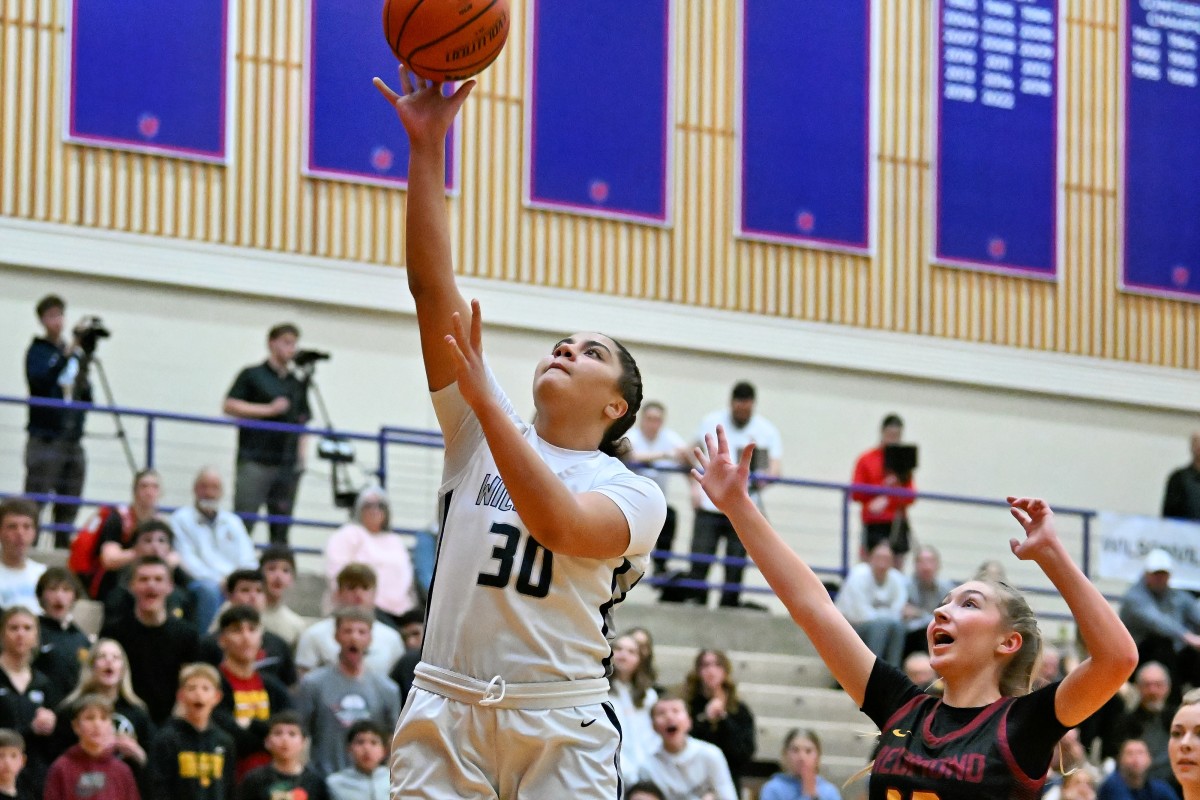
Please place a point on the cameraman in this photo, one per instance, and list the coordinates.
(269, 463)
(54, 458)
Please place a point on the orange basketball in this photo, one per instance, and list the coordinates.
(446, 40)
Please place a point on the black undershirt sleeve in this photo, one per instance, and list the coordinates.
(1034, 729)
(887, 689)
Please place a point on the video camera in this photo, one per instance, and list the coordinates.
(304, 358)
(89, 330)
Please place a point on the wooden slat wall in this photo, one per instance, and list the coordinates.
(260, 199)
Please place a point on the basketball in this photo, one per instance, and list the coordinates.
(446, 40)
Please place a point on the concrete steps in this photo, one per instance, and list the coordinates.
(675, 661)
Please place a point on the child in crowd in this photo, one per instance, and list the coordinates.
(64, 646)
(246, 587)
(286, 775)
(12, 761)
(367, 778)
(685, 768)
(250, 697)
(26, 695)
(191, 758)
(18, 575)
(91, 769)
(800, 778)
(278, 566)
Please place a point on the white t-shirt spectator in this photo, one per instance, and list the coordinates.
(861, 599)
(667, 440)
(759, 431)
(211, 549)
(698, 769)
(19, 586)
(317, 647)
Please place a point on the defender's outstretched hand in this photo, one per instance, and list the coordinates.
(466, 353)
(723, 479)
(427, 114)
(1037, 519)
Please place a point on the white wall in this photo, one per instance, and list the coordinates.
(179, 349)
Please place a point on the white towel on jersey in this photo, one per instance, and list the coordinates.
(500, 604)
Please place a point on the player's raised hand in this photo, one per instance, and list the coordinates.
(466, 353)
(1037, 519)
(723, 479)
(425, 111)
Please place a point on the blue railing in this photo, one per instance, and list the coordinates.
(392, 435)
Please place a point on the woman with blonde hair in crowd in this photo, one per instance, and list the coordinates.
(1183, 748)
(718, 714)
(632, 695)
(989, 736)
(106, 673)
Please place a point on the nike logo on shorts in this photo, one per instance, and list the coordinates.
(585, 724)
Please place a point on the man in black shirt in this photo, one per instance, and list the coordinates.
(157, 643)
(54, 459)
(269, 463)
(1181, 500)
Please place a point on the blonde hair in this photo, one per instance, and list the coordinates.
(88, 684)
(1191, 698)
(199, 670)
(1016, 678)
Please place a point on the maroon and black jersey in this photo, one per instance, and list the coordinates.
(931, 751)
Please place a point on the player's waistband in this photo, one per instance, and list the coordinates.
(500, 694)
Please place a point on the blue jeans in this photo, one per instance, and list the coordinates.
(208, 597)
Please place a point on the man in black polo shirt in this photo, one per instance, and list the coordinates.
(269, 463)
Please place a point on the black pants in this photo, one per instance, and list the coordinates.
(666, 538)
(708, 530)
(267, 484)
(56, 466)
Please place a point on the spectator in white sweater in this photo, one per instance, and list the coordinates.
(211, 544)
(872, 599)
(682, 767)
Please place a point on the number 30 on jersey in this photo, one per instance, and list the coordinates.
(505, 553)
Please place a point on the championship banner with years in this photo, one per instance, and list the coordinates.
(1125, 540)
(1162, 148)
(996, 185)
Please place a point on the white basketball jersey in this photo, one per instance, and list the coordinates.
(500, 603)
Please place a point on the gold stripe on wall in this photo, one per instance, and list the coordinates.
(261, 199)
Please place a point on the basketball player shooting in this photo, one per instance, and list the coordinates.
(543, 531)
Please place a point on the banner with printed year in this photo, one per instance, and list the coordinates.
(1125, 540)
(996, 185)
(599, 111)
(353, 135)
(805, 127)
(149, 76)
(1162, 148)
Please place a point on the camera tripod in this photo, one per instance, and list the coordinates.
(87, 361)
(337, 450)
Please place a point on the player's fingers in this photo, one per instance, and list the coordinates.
(722, 442)
(1015, 546)
(701, 457)
(460, 94)
(747, 456)
(698, 475)
(476, 327)
(406, 80)
(385, 90)
(1020, 516)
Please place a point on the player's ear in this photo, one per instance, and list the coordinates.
(1010, 644)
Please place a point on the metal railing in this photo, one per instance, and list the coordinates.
(393, 435)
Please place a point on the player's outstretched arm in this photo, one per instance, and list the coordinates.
(587, 525)
(427, 115)
(1112, 653)
(793, 580)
